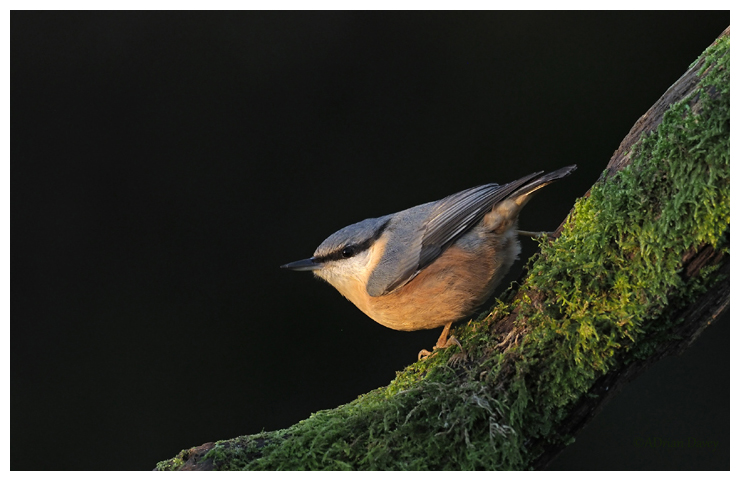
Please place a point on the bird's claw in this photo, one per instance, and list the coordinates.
(451, 341)
(424, 354)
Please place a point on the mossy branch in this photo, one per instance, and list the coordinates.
(640, 267)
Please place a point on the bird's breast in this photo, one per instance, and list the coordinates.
(457, 283)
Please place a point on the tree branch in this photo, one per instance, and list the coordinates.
(639, 269)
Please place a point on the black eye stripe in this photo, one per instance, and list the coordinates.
(355, 248)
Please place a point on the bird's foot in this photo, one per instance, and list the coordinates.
(448, 343)
(458, 357)
(529, 233)
(443, 343)
(424, 354)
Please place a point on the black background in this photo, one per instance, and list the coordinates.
(165, 164)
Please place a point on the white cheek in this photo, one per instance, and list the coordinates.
(341, 271)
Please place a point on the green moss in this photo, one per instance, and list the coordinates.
(616, 269)
(173, 464)
(612, 282)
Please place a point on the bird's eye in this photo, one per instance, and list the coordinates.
(348, 251)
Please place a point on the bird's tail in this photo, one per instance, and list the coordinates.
(538, 181)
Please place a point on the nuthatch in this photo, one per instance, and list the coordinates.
(433, 264)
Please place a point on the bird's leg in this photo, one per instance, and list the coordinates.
(529, 233)
(442, 343)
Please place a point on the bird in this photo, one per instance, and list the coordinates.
(433, 264)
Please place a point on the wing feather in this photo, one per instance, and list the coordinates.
(457, 214)
(448, 220)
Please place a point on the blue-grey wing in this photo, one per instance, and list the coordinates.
(447, 220)
(455, 215)
(417, 243)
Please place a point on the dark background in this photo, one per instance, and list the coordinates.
(165, 164)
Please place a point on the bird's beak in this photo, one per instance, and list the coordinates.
(303, 265)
